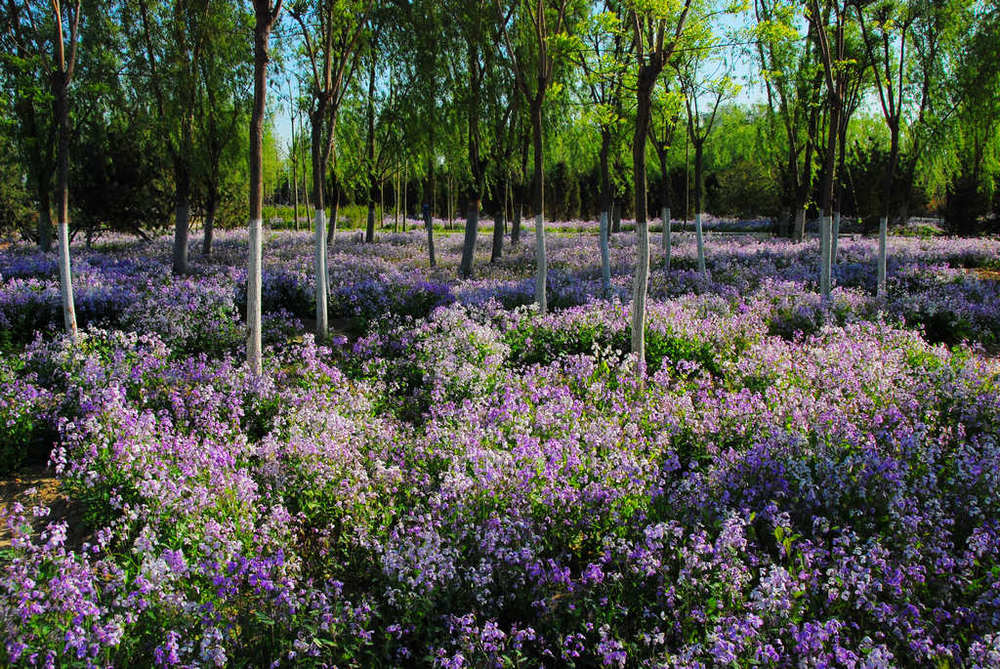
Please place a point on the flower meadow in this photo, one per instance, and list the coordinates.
(455, 480)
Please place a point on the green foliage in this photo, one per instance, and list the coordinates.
(533, 342)
(25, 434)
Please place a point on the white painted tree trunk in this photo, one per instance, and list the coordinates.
(322, 279)
(825, 225)
(605, 258)
(883, 233)
(836, 237)
(666, 238)
(540, 263)
(639, 289)
(700, 236)
(254, 357)
(66, 280)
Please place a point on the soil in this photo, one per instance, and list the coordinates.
(35, 486)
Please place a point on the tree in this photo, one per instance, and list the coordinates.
(604, 67)
(705, 83)
(541, 26)
(331, 34)
(663, 123)
(264, 17)
(223, 97)
(657, 30)
(60, 77)
(792, 84)
(172, 38)
(832, 56)
(25, 56)
(426, 75)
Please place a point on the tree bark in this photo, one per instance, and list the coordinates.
(541, 264)
(699, 194)
(264, 19)
(666, 238)
(210, 209)
(883, 228)
(605, 258)
(499, 222)
(469, 243)
(62, 201)
(182, 211)
(640, 285)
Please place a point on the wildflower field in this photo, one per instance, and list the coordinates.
(454, 479)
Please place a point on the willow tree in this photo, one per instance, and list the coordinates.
(331, 32)
(657, 30)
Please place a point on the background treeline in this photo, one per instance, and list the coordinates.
(398, 102)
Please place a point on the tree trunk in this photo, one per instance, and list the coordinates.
(262, 34)
(515, 227)
(605, 258)
(640, 285)
(616, 216)
(62, 205)
(469, 243)
(331, 234)
(800, 224)
(699, 192)
(370, 227)
(182, 210)
(541, 265)
(825, 226)
(210, 209)
(665, 187)
(883, 229)
(370, 153)
(319, 223)
(666, 238)
(44, 218)
(429, 187)
(835, 238)
(322, 275)
(499, 222)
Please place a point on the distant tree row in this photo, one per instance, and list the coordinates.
(152, 99)
(883, 107)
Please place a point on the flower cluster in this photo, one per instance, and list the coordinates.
(782, 481)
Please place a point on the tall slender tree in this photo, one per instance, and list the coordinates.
(540, 26)
(61, 76)
(265, 14)
(705, 83)
(657, 30)
(332, 34)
